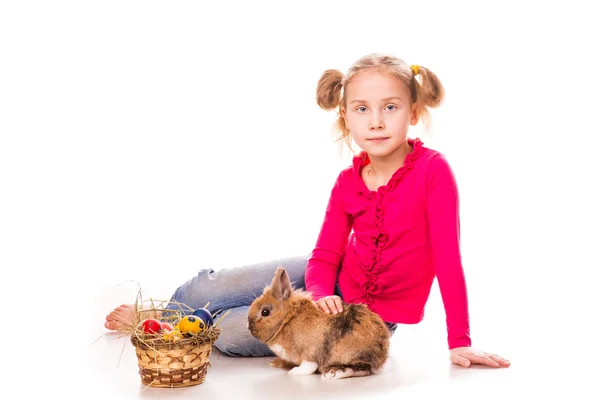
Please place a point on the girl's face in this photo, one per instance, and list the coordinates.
(378, 112)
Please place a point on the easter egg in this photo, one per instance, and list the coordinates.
(172, 336)
(191, 324)
(151, 326)
(204, 315)
(167, 326)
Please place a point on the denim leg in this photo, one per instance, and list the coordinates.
(391, 327)
(235, 338)
(235, 289)
(238, 286)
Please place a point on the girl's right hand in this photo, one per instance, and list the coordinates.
(330, 304)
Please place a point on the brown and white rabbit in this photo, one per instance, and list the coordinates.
(354, 342)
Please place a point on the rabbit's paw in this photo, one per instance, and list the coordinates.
(306, 368)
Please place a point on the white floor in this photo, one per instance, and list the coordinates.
(137, 143)
(547, 359)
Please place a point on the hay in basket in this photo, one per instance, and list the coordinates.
(171, 362)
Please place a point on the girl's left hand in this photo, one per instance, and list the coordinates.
(465, 356)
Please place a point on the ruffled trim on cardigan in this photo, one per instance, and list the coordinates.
(379, 237)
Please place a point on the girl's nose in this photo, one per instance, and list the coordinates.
(376, 122)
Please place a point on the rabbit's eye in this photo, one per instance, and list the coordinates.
(265, 313)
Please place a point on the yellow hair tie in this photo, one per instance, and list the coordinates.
(415, 69)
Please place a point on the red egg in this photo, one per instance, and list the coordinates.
(167, 326)
(152, 326)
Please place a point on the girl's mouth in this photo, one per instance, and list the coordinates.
(378, 139)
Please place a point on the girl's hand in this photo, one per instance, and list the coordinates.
(465, 356)
(330, 304)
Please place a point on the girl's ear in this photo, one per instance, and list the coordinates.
(414, 114)
(343, 114)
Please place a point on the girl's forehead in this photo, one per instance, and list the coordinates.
(372, 72)
(375, 82)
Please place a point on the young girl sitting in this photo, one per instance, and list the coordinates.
(391, 225)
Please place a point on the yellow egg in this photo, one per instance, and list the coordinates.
(191, 324)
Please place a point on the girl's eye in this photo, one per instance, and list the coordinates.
(390, 107)
(265, 313)
(361, 109)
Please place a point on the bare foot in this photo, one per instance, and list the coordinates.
(121, 318)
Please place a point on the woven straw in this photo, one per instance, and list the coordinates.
(165, 363)
(171, 365)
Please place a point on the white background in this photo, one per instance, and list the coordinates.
(144, 140)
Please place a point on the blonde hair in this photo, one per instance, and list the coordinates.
(426, 94)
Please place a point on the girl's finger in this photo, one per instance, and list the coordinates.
(322, 305)
(325, 305)
(459, 360)
(338, 303)
(332, 306)
(503, 362)
(484, 360)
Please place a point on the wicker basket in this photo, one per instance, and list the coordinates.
(171, 365)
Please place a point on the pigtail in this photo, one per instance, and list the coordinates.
(430, 92)
(427, 92)
(329, 89)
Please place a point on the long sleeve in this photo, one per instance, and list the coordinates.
(321, 271)
(444, 229)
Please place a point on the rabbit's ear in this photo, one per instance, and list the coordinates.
(281, 288)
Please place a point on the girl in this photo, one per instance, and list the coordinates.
(390, 227)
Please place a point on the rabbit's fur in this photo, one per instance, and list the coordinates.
(354, 342)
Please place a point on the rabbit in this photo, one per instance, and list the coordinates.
(352, 343)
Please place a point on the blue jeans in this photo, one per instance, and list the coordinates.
(235, 289)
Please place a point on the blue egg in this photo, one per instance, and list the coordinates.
(204, 315)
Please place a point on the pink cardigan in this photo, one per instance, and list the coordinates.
(384, 248)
